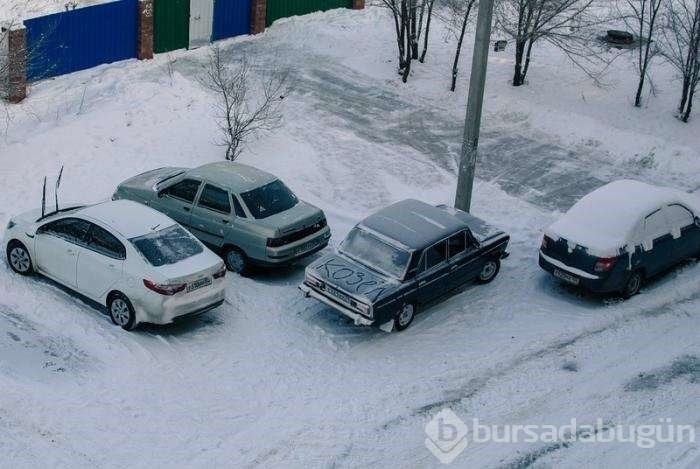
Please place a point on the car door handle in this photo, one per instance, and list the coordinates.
(225, 222)
(186, 209)
(454, 267)
(422, 283)
(71, 252)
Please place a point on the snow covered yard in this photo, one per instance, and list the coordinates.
(274, 379)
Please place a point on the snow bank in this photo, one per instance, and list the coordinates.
(18, 10)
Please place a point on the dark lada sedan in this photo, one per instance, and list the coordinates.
(621, 234)
(403, 257)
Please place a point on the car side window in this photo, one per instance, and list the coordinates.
(655, 225)
(215, 199)
(104, 242)
(457, 244)
(435, 254)
(679, 216)
(238, 207)
(72, 230)
(185, 190)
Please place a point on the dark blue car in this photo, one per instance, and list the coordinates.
(402, 258)
(620, 235)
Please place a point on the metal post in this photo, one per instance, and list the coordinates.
(472, 123)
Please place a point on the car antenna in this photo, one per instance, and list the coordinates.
(58, 184)
(43, 200)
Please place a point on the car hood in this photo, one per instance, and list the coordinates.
(30, 218)
(351, 277)
(301, 216)
(146, 182)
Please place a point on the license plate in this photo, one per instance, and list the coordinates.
(339, 295)
(306, 247)
(566, 277)
(196, 285)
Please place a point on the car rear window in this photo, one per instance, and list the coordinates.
(269, 199)
(167, 246)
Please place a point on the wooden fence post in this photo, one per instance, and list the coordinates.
(17, 64)
(145, 30)
(258, 16)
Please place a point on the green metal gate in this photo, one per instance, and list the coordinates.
(171, 25)
(277, 9)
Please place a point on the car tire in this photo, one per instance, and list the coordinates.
(121, 311)
(489, 271)
(236, 261)
(633, 284)
(19, 259)
(404, 317)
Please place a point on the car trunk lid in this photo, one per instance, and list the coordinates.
(570, 253)
(298, 218)
(191, 269)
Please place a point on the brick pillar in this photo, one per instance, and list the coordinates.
(358, 4)
(17, 65)
(145, 32)
(258, 16)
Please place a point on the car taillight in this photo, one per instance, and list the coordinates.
(221, 273)
(545, 242)
(604, 264)
(275, 242)
(167, 290)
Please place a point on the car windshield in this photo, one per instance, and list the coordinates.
(375, 253)
(167, 246)
(269, 199)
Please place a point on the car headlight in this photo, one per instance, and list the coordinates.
(363, 308)
(315, 282)
(10, 225)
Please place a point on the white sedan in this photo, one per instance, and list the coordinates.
(138, 262)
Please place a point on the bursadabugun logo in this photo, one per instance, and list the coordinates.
(449, 436)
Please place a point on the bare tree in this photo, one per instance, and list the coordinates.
(642, 17)
(409, 27)
(240, 114)
(428, 21)
(458, 15)
(566, 24)
(680, 38)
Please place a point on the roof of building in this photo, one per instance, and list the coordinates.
(235, 177)
(414, 224)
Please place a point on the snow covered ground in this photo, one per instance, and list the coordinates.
(274, 379)
(16, 10)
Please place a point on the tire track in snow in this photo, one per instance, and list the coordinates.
(475, 385)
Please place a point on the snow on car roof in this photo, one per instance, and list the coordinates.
(131, 219)
(235, 177)
(413, 223)
(604, 220)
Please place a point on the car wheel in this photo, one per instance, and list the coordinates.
(19, 259)
(489, 271)
(121, 311)
(236, 261)
(404, 318)
(633, 284)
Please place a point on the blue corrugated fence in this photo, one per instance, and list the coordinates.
(231, 18)
(83, 38)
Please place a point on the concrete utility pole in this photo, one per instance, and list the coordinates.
(472, 123)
